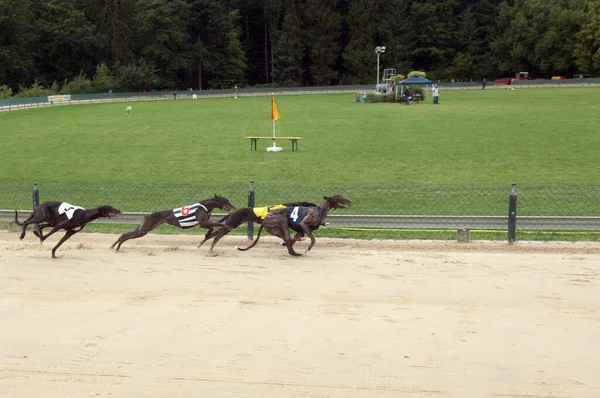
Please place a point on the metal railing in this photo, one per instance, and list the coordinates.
(539, 208)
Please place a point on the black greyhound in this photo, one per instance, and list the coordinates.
(301, 219)
(184, 217)
(244, 215)
(61, 215)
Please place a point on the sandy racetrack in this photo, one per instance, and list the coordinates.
(163, 318)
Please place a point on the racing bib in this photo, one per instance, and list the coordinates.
(296, 214)
(186, 215)
(261, 212)
(68, 209)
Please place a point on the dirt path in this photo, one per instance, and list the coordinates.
(352, 319)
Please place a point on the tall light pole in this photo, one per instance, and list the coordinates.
(378, 50)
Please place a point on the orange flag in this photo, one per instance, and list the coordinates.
(274, 110)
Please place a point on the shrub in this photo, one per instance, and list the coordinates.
(37, 90)
(376, 97)
(397, 78)
(103, 79)
(418, 73)
(80, 85)
(419, 90)
(5, 91)
(136, 77)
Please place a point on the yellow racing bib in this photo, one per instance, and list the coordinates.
(261, 212)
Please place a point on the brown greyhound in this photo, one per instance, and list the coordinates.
(61, 215)
(183, 217)
(301, 219)
(244, 215)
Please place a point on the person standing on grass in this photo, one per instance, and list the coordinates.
(483, 83)
(436, 94)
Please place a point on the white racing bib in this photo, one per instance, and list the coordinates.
(186, 215)
(68, 209)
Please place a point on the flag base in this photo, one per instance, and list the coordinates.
(274, 148)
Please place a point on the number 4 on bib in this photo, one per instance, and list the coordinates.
(294, 214)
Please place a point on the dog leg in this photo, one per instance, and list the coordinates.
(137, 233)
(39, 216)
(63, 239)
(148, 223)
(211, 233)
(307, 231)
(44, 237)
(290, 248)
(284, 233)
(39, 232)
(219, 234)
(215, 224)
(312, 240)
(25, 224)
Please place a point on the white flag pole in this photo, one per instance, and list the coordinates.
(274, 148)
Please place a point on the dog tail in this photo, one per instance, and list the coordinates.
(17, 219)
(253, 243)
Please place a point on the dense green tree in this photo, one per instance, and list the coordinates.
(539, 36)
(469, 46)
(231, 61)
(371, 24)
(477, 38)
(16, 40)
(501, 44)
(555, 46)
(219, 58)
(255, 40)
(359, 57)
(586, 50)
(324, 25)
(115, 20)
(290, 47)
(222, 43)
(68, 42)
(162, 30)
(431, 45)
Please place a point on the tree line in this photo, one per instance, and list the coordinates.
(131, 45)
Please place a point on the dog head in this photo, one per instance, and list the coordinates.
(223, 203)
(109, 211)
(338, 202)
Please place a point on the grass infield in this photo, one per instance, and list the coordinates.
(474, 138)
(546, 137)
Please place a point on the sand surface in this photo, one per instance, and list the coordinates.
(163, 318)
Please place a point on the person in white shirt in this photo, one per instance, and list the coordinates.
(436, 94)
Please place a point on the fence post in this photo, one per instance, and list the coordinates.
(250, 232)
(512, 214)
(35, 199)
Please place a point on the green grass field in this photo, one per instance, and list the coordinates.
(458, 158)
(474, 138)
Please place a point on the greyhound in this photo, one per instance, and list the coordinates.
(243, 215)
(183, 217)
(301, 219)
(61, 215)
